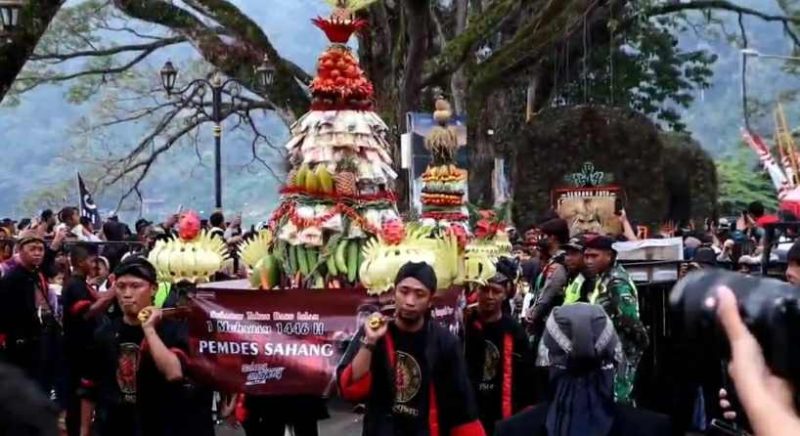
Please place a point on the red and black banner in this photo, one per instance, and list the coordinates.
(283, 342)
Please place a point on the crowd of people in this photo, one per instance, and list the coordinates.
(551, 345)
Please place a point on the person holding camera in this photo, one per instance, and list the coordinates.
(768, 400)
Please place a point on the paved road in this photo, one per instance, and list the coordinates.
(341, 423)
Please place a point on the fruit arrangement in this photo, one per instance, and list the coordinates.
(443, 183)
(344, 141)
(443, 194)
(192, 256)
(444, 199)
(318, 181)
(340, 81)
(444, 174)
(338, 191)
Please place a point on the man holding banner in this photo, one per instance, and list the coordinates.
(410, 370)
(136, 377)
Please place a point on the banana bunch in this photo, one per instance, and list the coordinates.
(316, 181)
(194, 261)
(344, 260)
(302, 259)
(266, 272)
(253, 250)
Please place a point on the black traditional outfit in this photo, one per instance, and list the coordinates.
(131, 396)
(500, 365)
(499, 359)
(417, 384)
(29, 327)
(581, 349)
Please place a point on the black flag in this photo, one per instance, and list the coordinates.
(88, 208)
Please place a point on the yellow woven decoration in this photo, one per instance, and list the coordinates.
(193, 261)
(382, 260)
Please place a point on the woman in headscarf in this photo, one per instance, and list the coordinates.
(581, 350)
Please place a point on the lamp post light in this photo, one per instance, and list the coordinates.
(9, 16)
(265, 72)
(749, 52)
(217, 83)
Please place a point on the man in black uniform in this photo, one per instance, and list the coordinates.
(137, 380)
(28, 326)
(410, 370)
(81, 305)
(498, 354)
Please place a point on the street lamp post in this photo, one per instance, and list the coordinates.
(265, 74)
(752, 53)
(9, 16)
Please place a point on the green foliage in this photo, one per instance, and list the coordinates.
(662, 177)
(644, 69)
(741, 182)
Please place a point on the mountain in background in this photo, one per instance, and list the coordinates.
(34, 133)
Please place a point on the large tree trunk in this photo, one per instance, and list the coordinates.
(493, 125)
(393, 54)
(33, 21)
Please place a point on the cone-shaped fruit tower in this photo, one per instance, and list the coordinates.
(444, 184)
(339, 189)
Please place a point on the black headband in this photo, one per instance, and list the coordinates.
(137, 267)
(420, 271)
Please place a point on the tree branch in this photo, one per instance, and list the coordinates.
(724, 5)
(673, 7)
(459, 48)
(150, 47)
(256, 136)
(36, 81)
(33, 21)
(555, 25)
(236, 58)
(135, 116)
(148, 162)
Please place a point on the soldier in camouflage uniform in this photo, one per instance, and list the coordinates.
(616, 292)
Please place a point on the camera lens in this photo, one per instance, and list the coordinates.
(769, 307)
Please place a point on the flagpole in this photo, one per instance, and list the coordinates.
(80, 202)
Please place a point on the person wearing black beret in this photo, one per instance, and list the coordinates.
(579, 281)
(617, 294)
(409, 370)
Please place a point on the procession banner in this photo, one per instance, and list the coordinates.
(283, 342)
